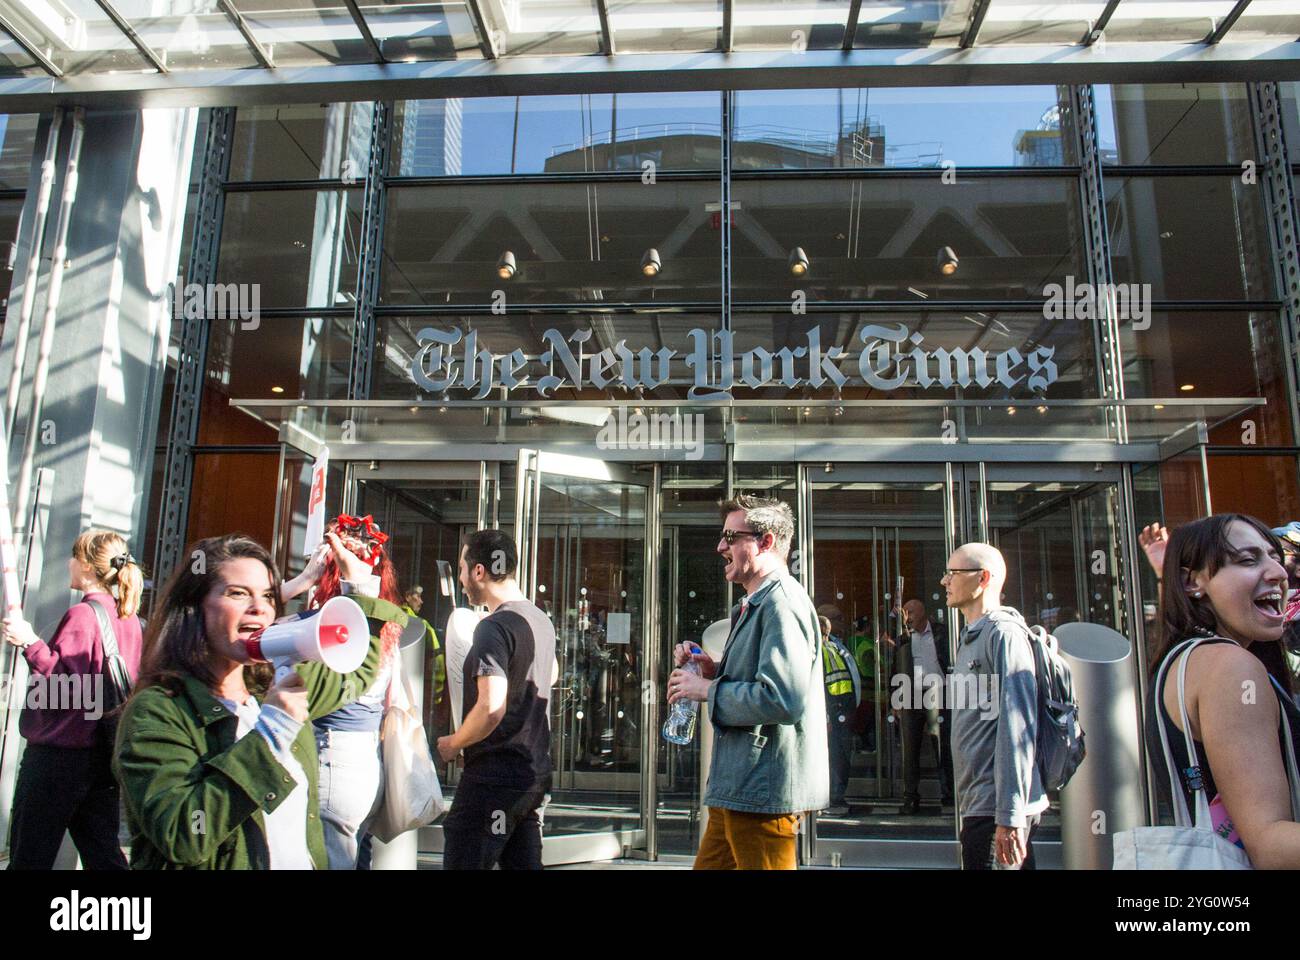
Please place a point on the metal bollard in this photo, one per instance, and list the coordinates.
(1105, 795)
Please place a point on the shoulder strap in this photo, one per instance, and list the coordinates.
(106, 635)
(114, 666)
(1182, 816)
(1292, 773)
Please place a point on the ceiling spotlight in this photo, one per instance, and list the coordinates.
(798, 262)
(1158, 406)
(1041, 408)
(506, 265)
(947, 261)
(1187, 387)
(277, 389)
(1011, 411)
(650, 263)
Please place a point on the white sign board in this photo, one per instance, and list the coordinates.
(618, 628)
(316, 504)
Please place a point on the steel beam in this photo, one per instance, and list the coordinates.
(977, 16)
(1098, 28)
(851, 24)
(29, 48)
(999, 64)
(1227, 22)
(122, 24)
(254, 46)
(372, 249)
(606, 31)
(728, 25)
(364, 29)
(485, 41)
(187, 394)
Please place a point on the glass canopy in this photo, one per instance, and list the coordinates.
(97, 37)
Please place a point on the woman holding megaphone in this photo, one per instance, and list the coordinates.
(211, 778)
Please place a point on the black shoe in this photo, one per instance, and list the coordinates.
(910, 807)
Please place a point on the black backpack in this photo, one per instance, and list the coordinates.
(1059, 748)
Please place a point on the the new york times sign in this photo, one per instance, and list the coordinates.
(891, 357)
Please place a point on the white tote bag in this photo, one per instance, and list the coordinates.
(412, 793)
(1188, 845)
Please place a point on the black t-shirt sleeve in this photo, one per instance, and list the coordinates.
(490, 654)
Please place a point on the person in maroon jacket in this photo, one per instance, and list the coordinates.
(66, 781)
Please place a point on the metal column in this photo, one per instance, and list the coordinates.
(372, 240)
(192, 356)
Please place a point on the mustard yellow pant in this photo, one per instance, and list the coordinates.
(748, 841)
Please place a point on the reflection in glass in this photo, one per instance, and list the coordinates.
(768, 24)
(1031, 21)
(1169, 359)
(1261, 486)
(903, 127)
(693, 595)
(191, 35)
(865, 537)
(591, 583)
(305, 32)
(301, 142)
(422, 31)
(426, 521)
(77, 37)
(912, 23)
(879, 239)
(298, 246)
(569, 242)
(1171, 21)
(1186, 123)
(1158, 230)
(1267, 19)
(559, 134)
(665, 26)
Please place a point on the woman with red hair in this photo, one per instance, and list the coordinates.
(347, 741)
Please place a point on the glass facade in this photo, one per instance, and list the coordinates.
(898, 271)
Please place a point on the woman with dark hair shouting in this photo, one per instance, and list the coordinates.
(1224, 592)
(78, 680)
(211, 778)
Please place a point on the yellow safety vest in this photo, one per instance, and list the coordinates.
(839, 681)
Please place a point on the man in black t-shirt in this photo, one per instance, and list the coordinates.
(505, 729)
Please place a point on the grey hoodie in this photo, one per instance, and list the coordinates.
(995, 721)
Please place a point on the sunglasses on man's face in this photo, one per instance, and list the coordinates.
(731, 536)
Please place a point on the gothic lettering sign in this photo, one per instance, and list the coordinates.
(891, 357)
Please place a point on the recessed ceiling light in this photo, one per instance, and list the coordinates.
(1187, 386)
(277, 389)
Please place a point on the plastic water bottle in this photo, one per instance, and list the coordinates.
(679, 728)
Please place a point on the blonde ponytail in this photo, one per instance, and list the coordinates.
(106, 554)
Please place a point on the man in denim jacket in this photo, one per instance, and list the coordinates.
(770, 761)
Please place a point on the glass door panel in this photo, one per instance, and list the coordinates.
(1060, 539)
(583, 527)
(426, 518)
(869, 534)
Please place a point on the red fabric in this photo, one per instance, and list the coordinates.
(74, 652)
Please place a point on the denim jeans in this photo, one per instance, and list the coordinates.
(351, 789)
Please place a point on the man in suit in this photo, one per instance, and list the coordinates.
(918, 647)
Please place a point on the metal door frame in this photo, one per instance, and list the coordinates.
(533, 466)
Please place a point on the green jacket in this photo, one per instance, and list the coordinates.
(195, 795)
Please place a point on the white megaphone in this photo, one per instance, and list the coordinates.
(336, 635)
